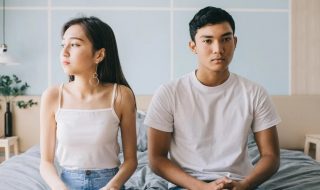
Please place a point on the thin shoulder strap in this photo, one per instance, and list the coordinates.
(113, 94)
(60, 94)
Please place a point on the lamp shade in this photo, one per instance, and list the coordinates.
(5, 58)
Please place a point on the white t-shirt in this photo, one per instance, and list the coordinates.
(210, 125)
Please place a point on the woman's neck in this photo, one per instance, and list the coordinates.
(84, 87)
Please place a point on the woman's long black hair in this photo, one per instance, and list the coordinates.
(101, 36)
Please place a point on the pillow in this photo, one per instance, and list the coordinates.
(251, 141)
(142, 139)
(141, 130)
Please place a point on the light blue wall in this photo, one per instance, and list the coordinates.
(152, 38)
(27, 41)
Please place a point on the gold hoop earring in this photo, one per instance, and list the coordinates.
(94, 81)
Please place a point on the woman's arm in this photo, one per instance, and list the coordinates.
(49, 102)
(125, 107)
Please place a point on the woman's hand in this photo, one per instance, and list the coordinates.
(60, 187)
(106, 188)
(110, 187)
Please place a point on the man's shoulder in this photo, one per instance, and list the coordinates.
(245, 81)
(174, 87)
(250, 86)
(181, 80)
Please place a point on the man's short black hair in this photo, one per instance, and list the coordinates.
(209, 15)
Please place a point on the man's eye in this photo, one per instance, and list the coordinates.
(226, 39)
(208, 41)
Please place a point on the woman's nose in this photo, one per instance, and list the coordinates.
(65, 51)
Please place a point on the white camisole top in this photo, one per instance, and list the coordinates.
(87, 138)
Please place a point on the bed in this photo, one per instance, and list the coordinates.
(297, 171)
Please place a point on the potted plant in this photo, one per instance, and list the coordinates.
(10, 87)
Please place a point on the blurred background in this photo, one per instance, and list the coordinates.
(278, 41)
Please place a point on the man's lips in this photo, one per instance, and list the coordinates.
(218, 59)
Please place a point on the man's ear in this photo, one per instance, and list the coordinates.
(235, 41)
(192, 46)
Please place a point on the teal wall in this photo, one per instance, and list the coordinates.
(153, 38)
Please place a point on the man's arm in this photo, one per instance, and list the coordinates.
(268, 164)
(158, 148)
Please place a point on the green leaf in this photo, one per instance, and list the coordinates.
(23, 104)
(10, 87)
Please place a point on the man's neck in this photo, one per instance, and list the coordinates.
(212, 78)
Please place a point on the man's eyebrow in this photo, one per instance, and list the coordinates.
(223, 35)
(206, 36)
(227, 34)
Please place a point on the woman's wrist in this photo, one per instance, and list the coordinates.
(60, 186)
(112, 186)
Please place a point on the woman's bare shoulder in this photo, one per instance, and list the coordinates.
(125, 96)
(51, 94)
(126, 92)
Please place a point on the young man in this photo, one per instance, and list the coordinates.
(203, 119)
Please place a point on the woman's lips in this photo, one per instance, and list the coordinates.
(65, 62)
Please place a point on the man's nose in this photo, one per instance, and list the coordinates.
(217, 47)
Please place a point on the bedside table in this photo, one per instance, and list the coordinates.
(7, 142)
(315, 139)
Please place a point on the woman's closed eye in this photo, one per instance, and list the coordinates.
(75, 45)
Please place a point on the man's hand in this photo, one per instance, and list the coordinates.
(219, 184)
(239, 185)
(235, 185)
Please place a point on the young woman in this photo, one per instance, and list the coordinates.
(80, 120)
